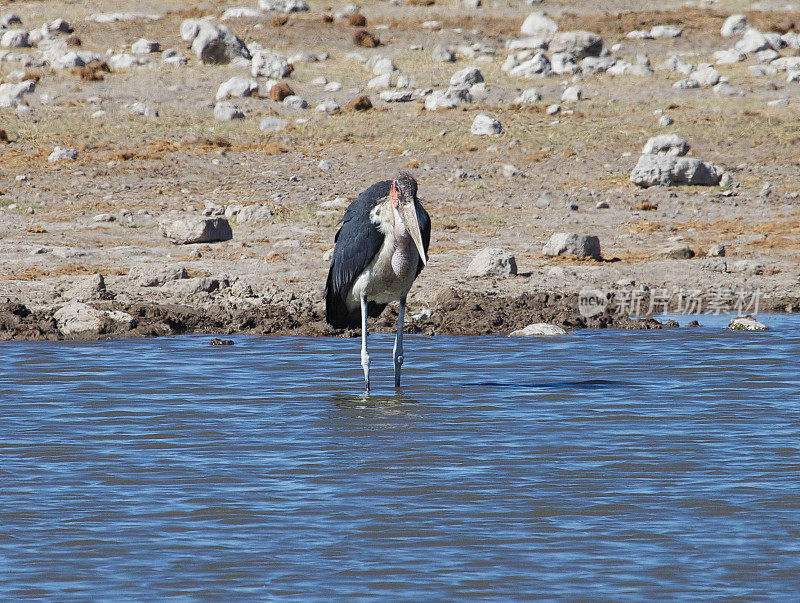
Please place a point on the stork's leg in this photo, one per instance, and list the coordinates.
(398, 343)
(364, 354)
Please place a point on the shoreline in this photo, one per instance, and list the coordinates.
(453, 312)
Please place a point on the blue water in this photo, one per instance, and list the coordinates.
(613, 465)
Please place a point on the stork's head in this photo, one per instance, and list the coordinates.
(403, 194)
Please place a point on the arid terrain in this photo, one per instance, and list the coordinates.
(150, 150)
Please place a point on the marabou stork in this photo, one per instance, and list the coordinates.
(381, 247)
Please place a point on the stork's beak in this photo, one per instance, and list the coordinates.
(412, 225)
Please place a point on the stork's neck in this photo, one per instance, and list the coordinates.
(404, 256)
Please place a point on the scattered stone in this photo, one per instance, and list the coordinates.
(155, 276)
(686, 84)
(746, 323)
(189, 287)
(61, 154)
(752, 42)
(716, 251)
(105, 217)
(213, 43)
(729, 57)
(254, 213)
(236, 87)
(241, 12)
(573, 93)
(218, 341)
(193, 229)
(449, 99)
(9, 19)
(117, 17)
(531, 95)
(143, 109)
(563, 243)
(539, 65)
(666, 144)
(665, 121)
(88, 288)
(273, 124)
(14, 38)
(267, 63)
(380, 82)
(592, 65)
(295, 102)
(602, 205)
(539, 329)
(483, 125)
(578, 43)
(145, 46)
(725, 89)
(553, 109)
(660, 32)
(669, 170)
(509, 170)
(77, 318)
(706, 75)
(538, 24)
(492, 261)
(767, 56)
(11, 95)
(227, 111)
(442, 54)
(639, 34)
(676, 63)
(328, 106)
(173, 57)
(564, 63)
(678, 252)
(284, 6)
(735, 25)
(333, 87)
(397, 96)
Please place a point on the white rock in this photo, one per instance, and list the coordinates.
(666, 144)
(14, 38)
(791, 39)
(273, 124)
(573, 93)
(442, 54)
(466, 77)
(9, 19)
(686, 84)
(254, 213)
(767, 56)
(328, 106)
(226, 111)
(492, 261)
(196, 229)
(380, 82)
(735, 25)
(236, 87)
(676, 63)
(538, 24)
(564, 63)
(728, 57)
(79, 318)
(143, 109)
(706, 76)
(537, 66)
(384, 65)
(295, 102)
(396, 96)
(668, 170)
(579, 43)
(539, 329)
(665, 121)
(333, 87)
(725, 89)
(531, 95)
(592, 65)
(213, 43)
(60, 154)
(565, 243)
(117, 17)
(483, 125)
(509, 170)
(241, 12)
(787, 63)
(267, 63)
(284, 6)
(527, 44)
(746, 323)
(11, 95)
(145, 46)
(155, 276)
(752, 42)
(553, 109)
(639, 34)
(449, 99)
(173, 57)
(665, 31)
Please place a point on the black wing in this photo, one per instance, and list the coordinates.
(357, 243)
(424, 230)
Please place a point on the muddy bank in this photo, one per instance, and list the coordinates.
(454, 312)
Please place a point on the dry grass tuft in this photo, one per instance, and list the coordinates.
(73, 41)
(280, 21)
(360, 103)
(280, 91)
(36, 229)
(92, 71)
(420, 2)
(646, 206)
(3, 136)
(357, 20)
(365, 39)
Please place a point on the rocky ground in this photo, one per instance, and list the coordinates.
(130, 129)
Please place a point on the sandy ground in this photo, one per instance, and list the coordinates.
(271, 274)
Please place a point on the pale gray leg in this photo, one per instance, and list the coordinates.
(398, 343)
(364, 354)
